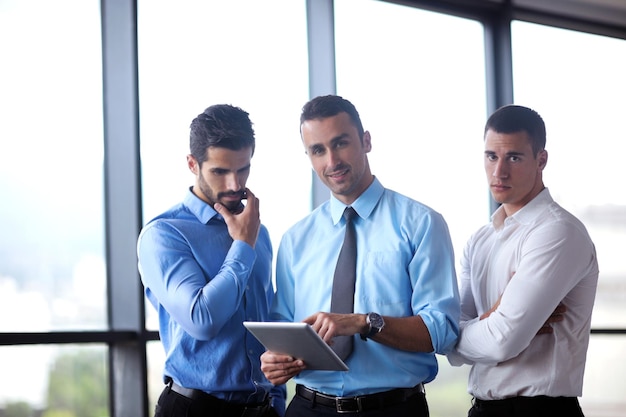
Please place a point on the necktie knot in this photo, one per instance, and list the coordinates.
(349, 213)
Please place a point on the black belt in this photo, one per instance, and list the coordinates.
(214, 403)
(359, 403)
(525, 403)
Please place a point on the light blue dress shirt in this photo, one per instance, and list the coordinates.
(405, 267)
(203, 286)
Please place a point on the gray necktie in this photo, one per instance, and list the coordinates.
(343, 283)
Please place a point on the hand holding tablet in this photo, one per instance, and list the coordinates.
(298, 340)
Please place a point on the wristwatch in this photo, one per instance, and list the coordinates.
(376, 323)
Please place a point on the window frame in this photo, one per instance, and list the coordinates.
(127, 336)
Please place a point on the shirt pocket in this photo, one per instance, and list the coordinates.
(384, 284)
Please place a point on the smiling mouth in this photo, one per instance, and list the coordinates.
(338, 174)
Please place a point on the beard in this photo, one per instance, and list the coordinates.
(212, 197)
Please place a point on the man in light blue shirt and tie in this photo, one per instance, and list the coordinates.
(406, 301)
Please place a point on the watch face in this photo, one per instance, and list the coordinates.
(376, 321)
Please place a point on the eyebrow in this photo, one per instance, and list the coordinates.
(338, 138)
(220, 169)
(333, 141)
(510, 153)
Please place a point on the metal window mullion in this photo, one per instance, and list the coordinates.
(127, 360)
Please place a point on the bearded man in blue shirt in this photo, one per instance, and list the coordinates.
(206, 265)
(406, 300)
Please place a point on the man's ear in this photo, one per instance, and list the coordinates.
(367, 141)
(192, 164)
(542, 158)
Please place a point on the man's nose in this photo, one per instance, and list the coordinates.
(333, 158)
(233, 182)
(500, 169)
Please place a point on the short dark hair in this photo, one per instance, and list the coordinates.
(222, 126)
(322, 107)
(512, 118)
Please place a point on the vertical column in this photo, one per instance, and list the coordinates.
(127, 360)
(499, 64)
(322, 76)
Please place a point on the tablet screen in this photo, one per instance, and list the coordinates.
(298, 340)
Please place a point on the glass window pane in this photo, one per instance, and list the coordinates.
(576, 82)
(68, 380)
(52, 267)
(418, 83)
(604, 387)
(155, 358)
(247, 53)
(417, 79)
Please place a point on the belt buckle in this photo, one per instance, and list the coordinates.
(340, 401)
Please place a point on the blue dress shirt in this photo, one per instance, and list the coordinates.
(203, 286)
(405, 267)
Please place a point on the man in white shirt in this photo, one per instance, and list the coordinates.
(528, 284)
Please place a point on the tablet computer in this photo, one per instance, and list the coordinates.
(298, 340)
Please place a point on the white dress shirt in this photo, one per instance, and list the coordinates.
(538, 257)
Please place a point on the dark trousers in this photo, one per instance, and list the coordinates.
(540, 406)
(414, 406)
(173, 404)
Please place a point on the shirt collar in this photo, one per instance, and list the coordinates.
(199, 208)
(363, 205)
(526, 214)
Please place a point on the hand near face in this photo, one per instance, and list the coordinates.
(245, 225)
